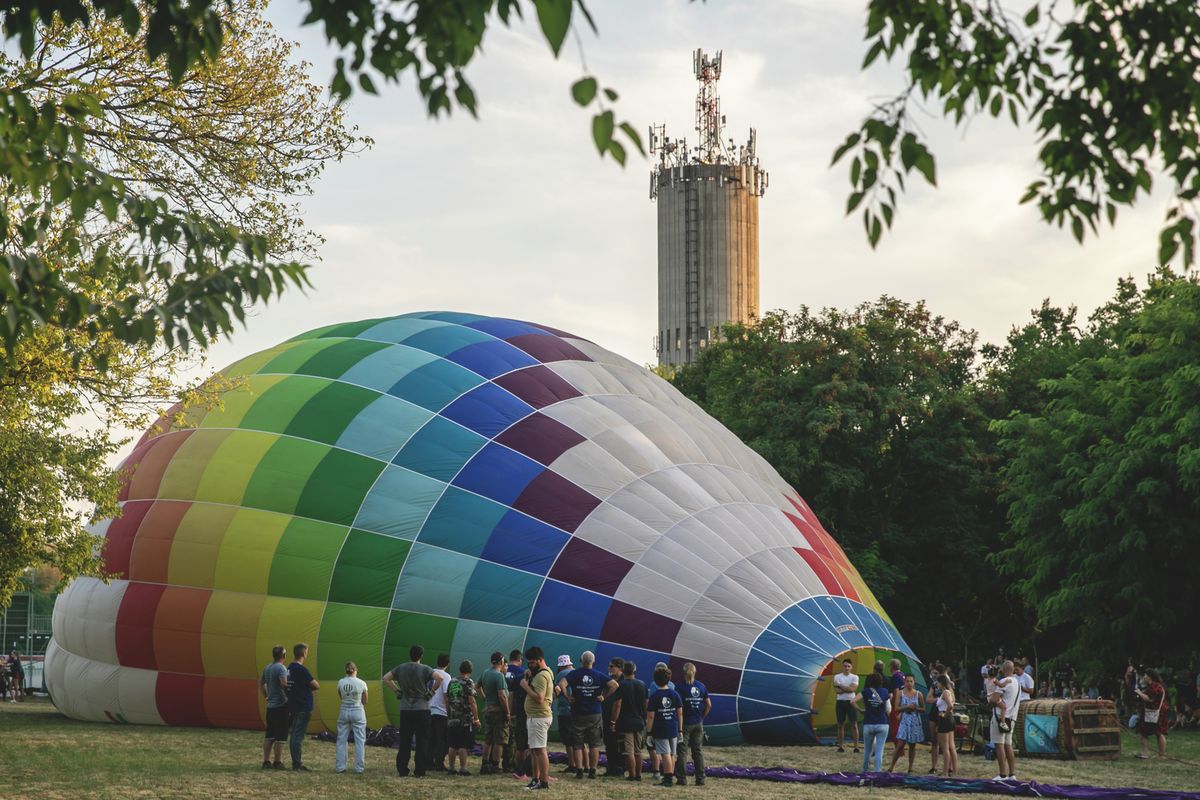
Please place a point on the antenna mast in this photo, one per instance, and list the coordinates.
(709, 122)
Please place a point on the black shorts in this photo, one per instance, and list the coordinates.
(279, 724)
(846, 712)
(460, 738)
(566, 731)
(588, 730)
(945, 724)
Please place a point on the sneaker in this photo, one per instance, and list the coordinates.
(460, 772)
(266, 765)
(699, 781)
(300, 768)
(666, 781)
(998, 778)
(591, 774)
(841, 749)
(542, 785)
(654, 776)
(856, 749)
(277, 765)
(579, 774)
(681, 781)
(533, 782)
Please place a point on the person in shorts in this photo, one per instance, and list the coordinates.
(664, 719)
(629, 720)
(539, 692)
(462, 719)
(1004, 721)
(588, 687)
(493, 689)
(846, 685)
(273, 684)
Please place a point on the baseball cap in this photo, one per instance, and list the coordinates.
(565, 661)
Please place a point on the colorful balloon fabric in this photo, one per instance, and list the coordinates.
(470, 484)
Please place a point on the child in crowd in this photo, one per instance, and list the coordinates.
(664, 720)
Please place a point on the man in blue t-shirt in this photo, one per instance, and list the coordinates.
(300, 687)
(696, 706)
(588, 687)
(664, 721)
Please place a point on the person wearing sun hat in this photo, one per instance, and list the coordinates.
(562, 711)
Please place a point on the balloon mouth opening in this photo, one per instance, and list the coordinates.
(786, 694)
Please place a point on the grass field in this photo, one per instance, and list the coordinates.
(45, 755)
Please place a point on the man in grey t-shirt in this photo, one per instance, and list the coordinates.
(414, 683)
(274, 687)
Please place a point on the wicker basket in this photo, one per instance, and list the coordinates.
(1068, 729)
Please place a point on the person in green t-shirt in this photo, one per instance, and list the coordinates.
(538, 684)
(493, 688)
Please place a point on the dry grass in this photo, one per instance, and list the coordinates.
(45, 755)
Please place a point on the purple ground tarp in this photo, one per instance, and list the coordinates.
(932, 783)
(388, 737)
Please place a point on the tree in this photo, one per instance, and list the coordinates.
(209, 269)
(1109, 86)
(873, 415)
(235, 140)
(1102, 483)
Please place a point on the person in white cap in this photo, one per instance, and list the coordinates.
(562, 712)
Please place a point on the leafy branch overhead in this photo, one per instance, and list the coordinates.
(1109, 86)
(211, 268)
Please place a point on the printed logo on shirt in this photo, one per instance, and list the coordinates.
(586, 680)
(695, 692)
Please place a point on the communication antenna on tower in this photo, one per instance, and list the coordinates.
(709, 122)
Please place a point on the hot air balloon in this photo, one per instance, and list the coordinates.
(470, 484)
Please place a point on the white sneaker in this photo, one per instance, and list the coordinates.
(999, 778)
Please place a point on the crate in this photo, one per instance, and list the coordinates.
(1068, 729)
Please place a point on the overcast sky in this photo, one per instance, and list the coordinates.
(515, 215)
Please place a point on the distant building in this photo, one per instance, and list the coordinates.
(707, 227)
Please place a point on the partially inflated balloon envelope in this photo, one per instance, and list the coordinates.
(469, 484)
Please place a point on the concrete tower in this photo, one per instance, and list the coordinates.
(707, 226)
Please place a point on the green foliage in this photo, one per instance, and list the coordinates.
(1109, 85)
(873, 415)
(1043, 492)
(1102, 482)
(123, 227)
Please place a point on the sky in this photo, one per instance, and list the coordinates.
(515, 215)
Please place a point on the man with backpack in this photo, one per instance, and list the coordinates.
(462, 718)
(539, 692)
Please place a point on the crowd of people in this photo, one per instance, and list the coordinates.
(895, 710)
(513, 703)
(12, 677)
